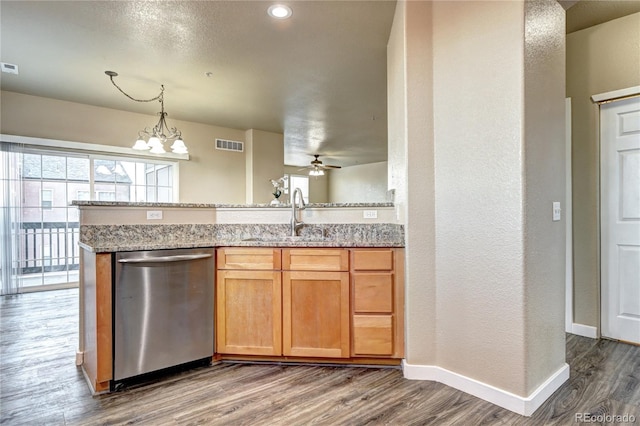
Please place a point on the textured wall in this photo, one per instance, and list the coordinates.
(478, 105)
(544, 154)
(600, 59)
(359, 184)
(210, 176)
(481, 247)
(411, 169)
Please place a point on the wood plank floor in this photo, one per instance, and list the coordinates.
(39, 384)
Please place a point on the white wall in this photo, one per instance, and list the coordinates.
(359, 184)
(210, 176)
(411, 168)
(483, 107)
(544, 179)
(478, 99)
(264, 161)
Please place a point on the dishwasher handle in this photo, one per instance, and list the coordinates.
(164, 259)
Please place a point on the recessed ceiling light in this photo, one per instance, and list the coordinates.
(279, 11)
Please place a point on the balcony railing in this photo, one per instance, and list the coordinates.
(49, 247)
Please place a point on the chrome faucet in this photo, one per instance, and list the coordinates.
(300, 205)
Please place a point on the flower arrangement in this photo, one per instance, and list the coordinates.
(278, 188)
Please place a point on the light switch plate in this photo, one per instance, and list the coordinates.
(154, 214)
(557, 211)
(370, 214)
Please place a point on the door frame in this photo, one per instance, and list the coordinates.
(568, 206)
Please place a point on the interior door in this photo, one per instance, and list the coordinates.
(620, 219)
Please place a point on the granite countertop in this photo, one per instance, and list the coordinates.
(222, 206)
(116, 238)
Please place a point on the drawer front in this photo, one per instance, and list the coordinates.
(315, 259)
(373, 260)
(256, 258)
(373, 335)
(372, 292)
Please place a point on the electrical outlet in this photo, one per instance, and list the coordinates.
(154, 214)
(370, 214)
(557, 211)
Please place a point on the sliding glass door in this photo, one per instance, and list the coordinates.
(40, 230)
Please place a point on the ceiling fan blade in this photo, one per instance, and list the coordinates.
(329, 166)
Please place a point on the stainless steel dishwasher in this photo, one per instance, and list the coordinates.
(163, 310)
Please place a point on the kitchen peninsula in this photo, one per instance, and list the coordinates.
(333, 293)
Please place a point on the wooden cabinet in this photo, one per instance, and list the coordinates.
(299, 310)
(96, 319)
(310, 302)
(248, 301)
(377, 302)
(316, 314)
(315, 320)
(249, 312)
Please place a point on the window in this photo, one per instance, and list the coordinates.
(83, 195)
(297, 181)
(105, 196)
(46, 226)
(46, 199)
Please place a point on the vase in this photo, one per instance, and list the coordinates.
(275, 201)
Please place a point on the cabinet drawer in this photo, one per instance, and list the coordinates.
(372, 292)
(248, 258)
(372, 335)
(372, 260)
(315, 259)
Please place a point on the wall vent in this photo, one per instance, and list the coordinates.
(227, 145)
(9, 68)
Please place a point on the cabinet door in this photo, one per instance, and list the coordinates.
(316, 314)
(249, 312)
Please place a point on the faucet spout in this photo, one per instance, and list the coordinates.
(297, 204)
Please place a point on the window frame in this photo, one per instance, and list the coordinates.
(305, 194)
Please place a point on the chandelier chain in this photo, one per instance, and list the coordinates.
(155, 135)
(157, 98)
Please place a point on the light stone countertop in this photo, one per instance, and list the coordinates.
(116, 238)
(222, 206)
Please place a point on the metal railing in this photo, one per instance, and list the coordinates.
(49, 247)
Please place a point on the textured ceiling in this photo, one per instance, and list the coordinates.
(319, 77)
(587, 13)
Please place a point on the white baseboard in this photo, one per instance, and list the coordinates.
(525, 406)
(79, 358)
(584, 330)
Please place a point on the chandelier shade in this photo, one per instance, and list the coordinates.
(159, 134)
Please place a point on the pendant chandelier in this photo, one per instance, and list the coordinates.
(158, 134)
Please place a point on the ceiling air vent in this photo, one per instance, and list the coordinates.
(226, 145)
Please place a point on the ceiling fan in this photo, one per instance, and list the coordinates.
(318, 168)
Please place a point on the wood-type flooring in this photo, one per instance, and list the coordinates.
(40, 384)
